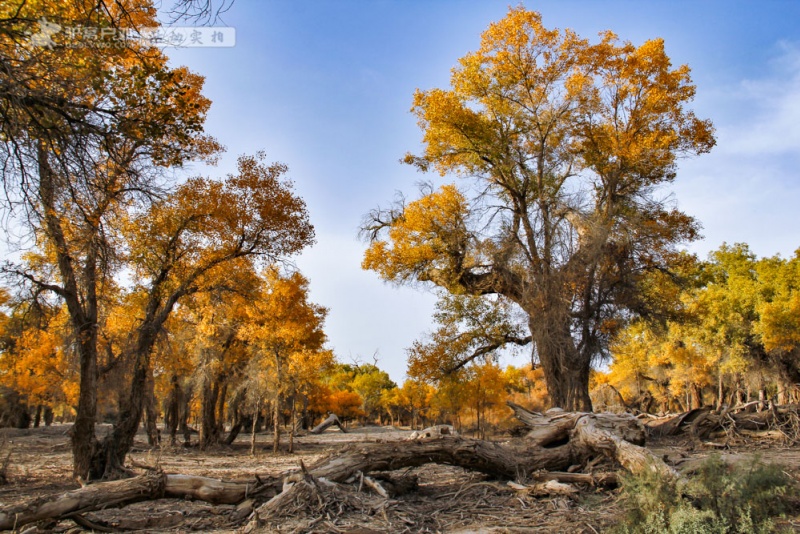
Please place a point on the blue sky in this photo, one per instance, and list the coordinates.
(325, 86)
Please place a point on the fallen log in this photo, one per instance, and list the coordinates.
(617, 436)
(150, 486)
(553, 428)
(777, 422)
(558, 441)
(218, 491)
(323, 426)
(88, 498)
(632, 457)
(500, 461)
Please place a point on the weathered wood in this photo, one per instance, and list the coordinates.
(557, 441)
(554, 427)
(323, 426)
(435, 431)
(502, 461)
(608, 480)
(217, 491)
(704, 423)
(551, 487)
(590, 434)
(88, 498)
(153, 485)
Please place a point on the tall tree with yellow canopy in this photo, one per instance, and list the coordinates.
(562, 147)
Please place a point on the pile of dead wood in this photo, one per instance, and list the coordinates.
(558, 453)
(754, 420)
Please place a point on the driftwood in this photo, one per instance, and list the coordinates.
(150, 486)
(557, 441)
(435, 431)
(553, 428)
(773, 422)
(88, 498)
(323, 426)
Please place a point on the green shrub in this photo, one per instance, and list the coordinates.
(719, 499)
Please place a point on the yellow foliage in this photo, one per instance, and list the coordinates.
(424, 237)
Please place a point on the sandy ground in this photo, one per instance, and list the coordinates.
(449, 499)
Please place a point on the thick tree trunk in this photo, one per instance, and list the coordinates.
(84, 442)
(566, 370)
(209, 430)
(172, 408)
(704, 423)
(154, 485)
(110, 457)
(81, 303)
(88, 498)
(48, 416)
(37, 419)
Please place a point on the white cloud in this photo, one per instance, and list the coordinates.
(768, 110)
(748, 188)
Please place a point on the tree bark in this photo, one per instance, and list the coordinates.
(239, 419)
(566, 369)
(276, 421)
(172, 410)
(81, 303)
(151, 486)
(256, 415)
(151, 416)
(332, 419)
(92, 497)
(208, 413)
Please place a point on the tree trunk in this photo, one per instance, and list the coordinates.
(566, 370)
(172, 410)
(110, 457)
(276, 421)
(276, 414)
(185, 412)
(239, 420)
(48, 416)
(154, 485)
(255, 426)
(208, 423)
(291, 427)
(37, 418)
(151, 416)
(88, 498)
(81, 303)
(221, 400)
(697, 395)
